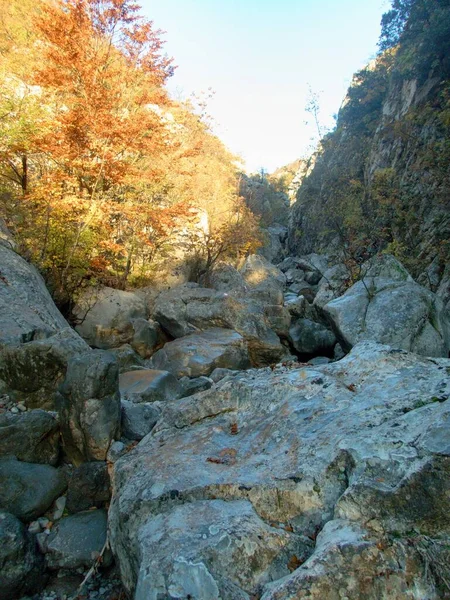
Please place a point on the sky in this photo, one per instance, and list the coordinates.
(260, 58)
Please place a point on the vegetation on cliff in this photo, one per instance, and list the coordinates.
(381, 179)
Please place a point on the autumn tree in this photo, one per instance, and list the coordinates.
(106, 168)
(101, 79)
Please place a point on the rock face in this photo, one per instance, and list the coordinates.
(20, 564)
(388, 307)
(357, 451)
(200, 353)
(28, 312)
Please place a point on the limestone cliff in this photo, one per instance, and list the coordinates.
(381, 178)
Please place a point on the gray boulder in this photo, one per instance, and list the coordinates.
(21, 571)
(364, 441)
(265, 280)
(149, 385)
(279, 319)
(105, 316)
(146, 338)
(27, 490)
(225, 278)
(89, 486)
(76, 541)
(32, 436)
(309, 337)
(396, 312)
(127, 358)
(333, 284)
(189, 309)
(294, 275)
(33, 372)
(200, 353)
(89, 406)
(139, 419)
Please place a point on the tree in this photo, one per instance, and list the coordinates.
(100, 79)
(102, 167)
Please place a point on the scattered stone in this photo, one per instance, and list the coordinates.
(338, 352)
(219, 374)
(116, 450)
(139, 419)
(34, 527)
(319, 360)
(146, 337)
(60, 505)
(127, 358)
(225, 278)
(279, 319)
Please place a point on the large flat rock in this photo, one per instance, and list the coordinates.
(189, 309)
(365, 441)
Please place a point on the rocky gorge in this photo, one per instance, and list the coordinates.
(278, 432)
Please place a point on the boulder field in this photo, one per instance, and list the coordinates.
(275, 433)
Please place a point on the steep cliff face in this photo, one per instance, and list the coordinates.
(382, 177)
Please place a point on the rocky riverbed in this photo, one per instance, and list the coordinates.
(278, 434)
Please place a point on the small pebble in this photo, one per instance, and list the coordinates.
(14, 410)
(21, 407)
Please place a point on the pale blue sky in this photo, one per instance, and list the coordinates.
(259, 56)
